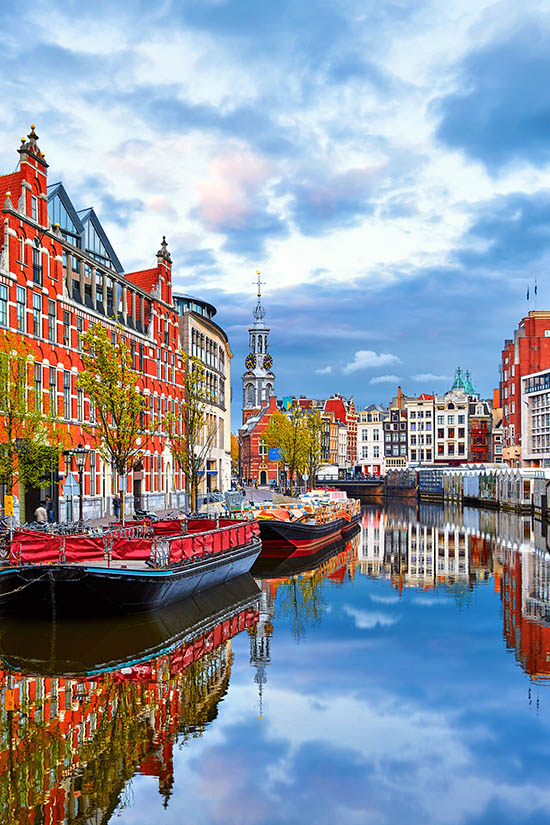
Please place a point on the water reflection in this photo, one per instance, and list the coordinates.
(380, 675)
(70, 740)
(454, 549)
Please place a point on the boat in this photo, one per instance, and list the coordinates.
(316, 520)
(122, 645)
(137, 568)
(293, 565)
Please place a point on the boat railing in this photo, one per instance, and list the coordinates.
(130, 544)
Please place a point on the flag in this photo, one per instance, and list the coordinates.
(527, 293)
(535, 287)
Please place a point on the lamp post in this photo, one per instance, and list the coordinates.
(80, 456)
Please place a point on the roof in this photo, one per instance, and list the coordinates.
(145, 279)
(10, 183)
(425, 397)
(336, 406)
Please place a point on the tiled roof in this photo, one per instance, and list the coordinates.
(336, 405)
(146, 279)
(10, 183)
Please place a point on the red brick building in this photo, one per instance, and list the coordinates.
(255, 466)
(58, 275)
(528, 351)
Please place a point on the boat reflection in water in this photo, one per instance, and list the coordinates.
(86, 706)
(453, 549)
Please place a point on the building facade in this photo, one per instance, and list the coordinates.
(535, 419)
(526, 353)
(202, 338)
(59, 275)
(370, 440)
(420, 414)
(395, 438)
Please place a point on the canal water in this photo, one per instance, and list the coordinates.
(403, 680)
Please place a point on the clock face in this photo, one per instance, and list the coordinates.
(250, 361)
(268, 362)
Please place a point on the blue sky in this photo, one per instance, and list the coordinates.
(385, 164)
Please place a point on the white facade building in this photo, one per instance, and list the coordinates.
(420, 413)
(370, 440)
(535, 419)
(342, 446)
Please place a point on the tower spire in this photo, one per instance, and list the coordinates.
(259, 311)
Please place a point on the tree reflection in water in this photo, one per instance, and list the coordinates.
(69, 746)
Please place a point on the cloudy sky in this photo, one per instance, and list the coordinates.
(385, 163)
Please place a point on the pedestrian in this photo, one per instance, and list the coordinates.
(49, 510)
(243, 492)
(40, 514)
(116, 506)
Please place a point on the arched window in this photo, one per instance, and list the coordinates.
(259, 343)
(268, 390)
(250, 395)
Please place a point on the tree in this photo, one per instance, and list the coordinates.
(234, 454)
(31, 437)
(288, 432)
(314, 431)
(111, 382)
(193, 435)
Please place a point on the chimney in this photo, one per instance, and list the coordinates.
(399, 400)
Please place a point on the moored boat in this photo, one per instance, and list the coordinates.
(304, 529)
(139, 568)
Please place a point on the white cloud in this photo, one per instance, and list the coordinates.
(369, 619)
(385, 379)
(385, 599)
(324, 370)
(429, 376)
(367, 358)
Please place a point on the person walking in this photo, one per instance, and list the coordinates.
(40, 514)
(49, 510)
(116, 506)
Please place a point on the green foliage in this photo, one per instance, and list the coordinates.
(110, 381)
(313, 433)
(288, 432)
(193, 435)
(30, 438)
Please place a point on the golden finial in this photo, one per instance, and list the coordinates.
(23, 140)
(33, 126)
(258, 272)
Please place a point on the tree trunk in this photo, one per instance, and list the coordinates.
(122, 495)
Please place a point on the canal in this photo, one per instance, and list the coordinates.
(404, 680)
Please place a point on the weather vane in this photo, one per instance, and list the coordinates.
(259, 283)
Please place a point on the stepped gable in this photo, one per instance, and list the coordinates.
(10, 183)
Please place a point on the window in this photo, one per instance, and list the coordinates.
(403, 450)
(22, 249)
(38, 387)
(376, 451)
(440, 419)
(52, 381)
(412, 426)
(365, 435)
(92, 414)
(21, 307)
(365, 451)
(413, 414)
(413, 440)
(37, 263)
(93, 470)
(34, 208)
(450, 420)
(66, 328)
(79, 331)
(80, 404)
(52, 318)
(461, 419)
(3, 305)
(140, 363)
(37, 314)
(66, 395)
(451, 433)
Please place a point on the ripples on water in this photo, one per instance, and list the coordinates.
(403, 680)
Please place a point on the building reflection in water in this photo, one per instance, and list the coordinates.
(68, 745)
(454, 549)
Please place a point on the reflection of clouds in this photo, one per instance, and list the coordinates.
(368, 619)
(428, 601)
(342, 760)
(384, 599)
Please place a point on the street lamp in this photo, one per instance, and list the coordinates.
(80, 456)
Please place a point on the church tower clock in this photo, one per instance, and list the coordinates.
(258, 380)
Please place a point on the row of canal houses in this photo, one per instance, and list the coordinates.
(59, 274)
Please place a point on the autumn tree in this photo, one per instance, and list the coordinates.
(313, 433)
(31, 435)
(288, 433)
(111, 381)
(194, 433)
(234, 454)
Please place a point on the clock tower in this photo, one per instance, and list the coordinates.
(258, 380)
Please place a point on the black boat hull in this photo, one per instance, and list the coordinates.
(282, 539)
(59, 589)
(266, 568)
